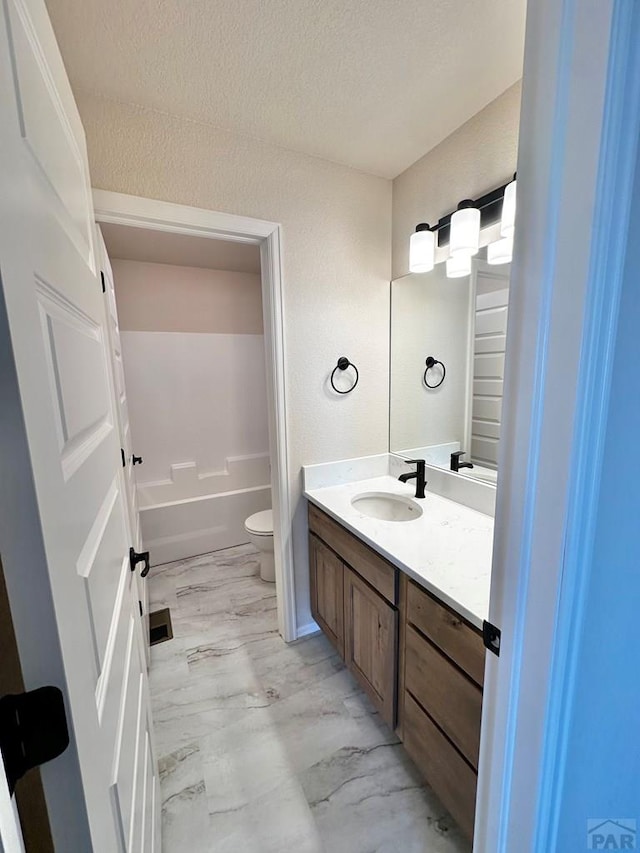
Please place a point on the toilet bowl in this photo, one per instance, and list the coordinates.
(259, 528)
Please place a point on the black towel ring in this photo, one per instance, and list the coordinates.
(431, 362)
(343, 363)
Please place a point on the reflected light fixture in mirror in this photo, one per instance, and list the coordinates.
(508, 220)
(458, 266)
(464, 238)
(500, 252)
(422, 249)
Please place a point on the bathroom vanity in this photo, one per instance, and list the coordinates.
(403, 605)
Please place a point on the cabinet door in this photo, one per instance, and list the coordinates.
(370, 644)
(327, 602)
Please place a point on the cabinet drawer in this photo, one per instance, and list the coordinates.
(443, 767)
(462, 643)
(378, 572)
(454, 702)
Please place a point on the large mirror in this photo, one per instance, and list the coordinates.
(460, 324)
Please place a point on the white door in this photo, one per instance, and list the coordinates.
(124, 428)
(120, 389)
(57, 323)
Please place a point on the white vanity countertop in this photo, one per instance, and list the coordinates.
(447, 550)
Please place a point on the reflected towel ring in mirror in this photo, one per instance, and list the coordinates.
(431, 362)
(343, 364)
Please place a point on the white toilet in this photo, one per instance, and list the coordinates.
(259, 529)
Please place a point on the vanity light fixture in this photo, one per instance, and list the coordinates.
(508, 220)
(458, 266)
(422, 249)
(459, 231)
(500, 252)
(464, 238)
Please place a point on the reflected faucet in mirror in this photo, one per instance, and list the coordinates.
(456, 463)
(418, 475)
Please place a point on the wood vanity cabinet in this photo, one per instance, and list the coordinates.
(420, 662)
(353, 599)
(441, 698)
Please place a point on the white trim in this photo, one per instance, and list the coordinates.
(308, 630)
(121, 209)
(552, 297)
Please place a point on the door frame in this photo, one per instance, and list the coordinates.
(579, 127)
(138, 212)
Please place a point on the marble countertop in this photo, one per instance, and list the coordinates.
(447, 550)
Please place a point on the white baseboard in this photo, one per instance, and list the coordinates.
(307, 630)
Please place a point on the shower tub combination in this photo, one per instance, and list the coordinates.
(195, 513)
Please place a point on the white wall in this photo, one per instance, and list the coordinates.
(477, 157)
(336, 266)
(193, 356)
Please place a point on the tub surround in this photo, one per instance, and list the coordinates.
(196, 512)
(447, 550)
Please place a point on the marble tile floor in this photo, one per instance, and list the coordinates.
(269, 748)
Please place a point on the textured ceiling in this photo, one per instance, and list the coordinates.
(373, 85)
(158, 247)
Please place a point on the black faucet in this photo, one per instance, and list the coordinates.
(456, 464)
(418, 475)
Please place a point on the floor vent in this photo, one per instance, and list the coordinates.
(160, 626)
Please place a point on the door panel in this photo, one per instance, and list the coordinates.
(120, 390)
(370, 643)
(327, 591)
(133, 749)
(45, 125)
(59, 340)
(124, 428)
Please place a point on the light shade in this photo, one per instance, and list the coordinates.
(508, 221)
(458, 266)
(500, 252)
(422, 249)
(464, 238)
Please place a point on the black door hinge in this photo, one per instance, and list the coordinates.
(140, 605)
(33, 730)
(124, 461)
(491, 637)
(104, 286)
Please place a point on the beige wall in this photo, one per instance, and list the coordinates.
(168, 298)
(336, 265)
(479, 156)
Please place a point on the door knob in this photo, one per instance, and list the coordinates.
(142, 557)
(137, 460)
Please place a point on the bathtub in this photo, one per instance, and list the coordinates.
(194, 513)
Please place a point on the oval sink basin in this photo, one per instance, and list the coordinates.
(387, 507)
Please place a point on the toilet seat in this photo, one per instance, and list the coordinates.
(260, 523)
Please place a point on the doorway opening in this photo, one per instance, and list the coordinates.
(204, 370)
